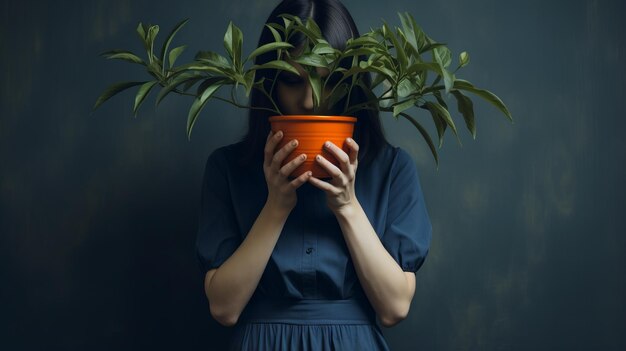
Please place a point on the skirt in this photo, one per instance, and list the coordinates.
(309, 325)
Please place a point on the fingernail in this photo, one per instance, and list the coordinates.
(294, 143)
(318, 157)
(279, 134)
(303, 156)
(309, 174)
(327, 144)
(349, 140)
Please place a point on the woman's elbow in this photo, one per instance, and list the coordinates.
(391, 321)
(224, 318)
(392, 318)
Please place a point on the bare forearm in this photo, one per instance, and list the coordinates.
(233, 283)
(382, 279)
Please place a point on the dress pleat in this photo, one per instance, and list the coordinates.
(325, 337)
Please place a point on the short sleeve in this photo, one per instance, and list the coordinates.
(218, 233)
(408, 229)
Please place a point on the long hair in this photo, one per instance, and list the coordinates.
(337, 26)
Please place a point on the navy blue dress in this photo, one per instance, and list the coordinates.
(309, 297)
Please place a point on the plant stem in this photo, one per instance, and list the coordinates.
(270, 99)
(183, 92)
(349, 94)
(232, 94)
(381, 97)
(431, 89)
(228, 101)
(363, 105)
(244, 106)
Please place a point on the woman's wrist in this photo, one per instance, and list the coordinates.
(348, 211)
(276, 211)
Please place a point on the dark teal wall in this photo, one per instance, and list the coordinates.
(98, 212)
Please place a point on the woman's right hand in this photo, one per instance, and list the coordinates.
(281, 191)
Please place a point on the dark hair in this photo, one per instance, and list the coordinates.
(337, 27)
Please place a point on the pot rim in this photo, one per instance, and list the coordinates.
(318, 118)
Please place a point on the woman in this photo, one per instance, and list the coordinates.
(308, 264)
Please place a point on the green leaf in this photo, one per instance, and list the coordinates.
(288, 23)
(466, 108)
(374, 58)
(142, 31)
(432, 46)
(316, 86)
(440, 99)
(154, 68)
(439, 124)
(448, 80)
(405, 105)
(214, 59)
(123, 55)
(208, 82)
(313, 27)
(414, 34)
(275, 34)
(198, 105)
(152, 33)
(308, 33)
(443, 114)
(355, 70)
(387, 73)
(363, 40)
(406, 88)
(485, 94)
(359, 51)
(425, 134)
(249, 78)
(291, 18)
(277, 64)
(411, 51)
(173, 56)
(311, 59)
(237, 48)
(325, 49)
(192, 81)
(233, 42)
(240, 79)
(141, 95)
(200, 66)
(113, 90)
(378, 78)
(228, 39)
(463, 59)
(389, 34)
(267, 48)
(180, 79)
(442, 56)
(167, 42)
(423, 66)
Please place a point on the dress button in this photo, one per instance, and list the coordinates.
(309, 250)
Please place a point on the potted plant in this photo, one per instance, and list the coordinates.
(395, 57)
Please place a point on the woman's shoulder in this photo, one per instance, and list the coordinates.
(229, 152)
(390, 156)
(226, 156)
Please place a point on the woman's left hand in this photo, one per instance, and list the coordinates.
(339, 190)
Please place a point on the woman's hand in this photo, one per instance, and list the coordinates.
(281, 192)
(340, 194)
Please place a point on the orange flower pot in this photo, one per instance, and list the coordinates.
(312, 132)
